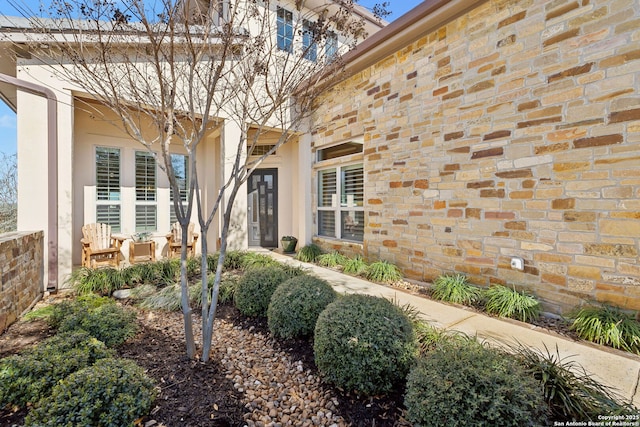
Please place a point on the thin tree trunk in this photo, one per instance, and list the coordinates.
(186, 306)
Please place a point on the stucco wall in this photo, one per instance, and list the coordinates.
(513, 130)
(21, 279)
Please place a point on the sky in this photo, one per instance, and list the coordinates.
(8, 117)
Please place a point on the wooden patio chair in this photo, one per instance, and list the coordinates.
(174, 240)
(99, 246)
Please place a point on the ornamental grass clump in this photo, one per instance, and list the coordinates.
(464, 382)
(296, 304)
(607, 325)
(29, 376)
(383, 272)
(111, 393)
(355, 266)
(505, 302)
(309, 253)
(253, 293)
(101, 281)
(331, 260)
(568, 389)
(364, 344)
(455, 289)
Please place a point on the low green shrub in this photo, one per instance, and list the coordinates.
(111, 393)
(296, 304)
(364, 343)
(355, 266)
(331, 260)
(309, 253)
(383, 272)
(471, 385)
(254, 290)
(607, 325)
(455, 289)
(29, 376)
(507, 302)
(570, 392)
(100, 317)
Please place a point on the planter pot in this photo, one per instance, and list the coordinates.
(289, 246)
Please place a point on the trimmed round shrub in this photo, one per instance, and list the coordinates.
(296, 305)
(254, 290)
(364, 344)
(29, 377)
(111, 393)
(472, 385)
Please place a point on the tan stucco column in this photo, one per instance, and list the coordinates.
(33, 166)
(230, 138)
(304, 199)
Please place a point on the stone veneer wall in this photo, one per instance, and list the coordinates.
(22, 264)
(513, 130)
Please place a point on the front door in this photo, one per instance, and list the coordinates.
(262, 201)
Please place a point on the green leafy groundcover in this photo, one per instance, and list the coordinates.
(464, 383)
(29, 376)
(111, 393)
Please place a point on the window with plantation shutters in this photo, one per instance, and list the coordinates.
(108, 187)
(180, 164)
(340, 202)
(146, 190)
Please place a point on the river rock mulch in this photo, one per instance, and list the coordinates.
(251, 379)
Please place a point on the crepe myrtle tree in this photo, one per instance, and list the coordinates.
(174, 71)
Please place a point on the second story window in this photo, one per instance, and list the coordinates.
(285, 30)
(331, 46)
(308, 42)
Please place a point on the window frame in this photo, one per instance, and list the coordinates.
(148, 197)
(331, 46)
(309, 45)
(337, 204)
(284, 24)
(112, 200)
(184, 193)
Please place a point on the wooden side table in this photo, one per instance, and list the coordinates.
(142, 251)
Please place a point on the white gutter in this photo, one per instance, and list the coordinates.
(52, 181)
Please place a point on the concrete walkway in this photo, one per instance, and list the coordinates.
(614, 368)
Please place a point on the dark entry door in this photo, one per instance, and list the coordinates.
(262, 215)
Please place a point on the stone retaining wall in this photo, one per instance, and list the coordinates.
(22, 274)
(513, 130)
